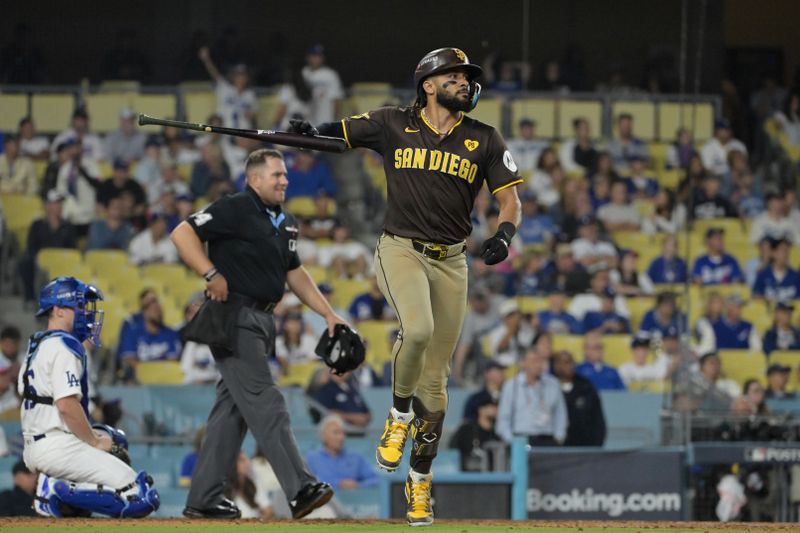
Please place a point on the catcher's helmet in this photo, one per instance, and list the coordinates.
(73, 293)
(442, 60)
(343, 352)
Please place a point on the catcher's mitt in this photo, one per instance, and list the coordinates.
(120, 453)
(119, 442)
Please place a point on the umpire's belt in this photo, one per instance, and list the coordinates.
(440, 252)
(241, 300)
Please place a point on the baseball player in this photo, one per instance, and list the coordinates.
(436, 160)
(80, 471)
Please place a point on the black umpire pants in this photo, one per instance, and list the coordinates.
(247, 397)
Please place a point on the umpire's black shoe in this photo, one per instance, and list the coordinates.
(310, 497)
(224, 510)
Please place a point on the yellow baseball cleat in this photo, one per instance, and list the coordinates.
(418, 496)
(393, 441)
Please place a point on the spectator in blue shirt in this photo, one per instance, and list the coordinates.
(777, 281)
(112, 231)
(530, 278)
(341, 396)
(658, 321)
(332, 463)
(602, 376)
(536, 227)
(309, 176)
(626, 147)
(782, 335)
(606, 320)
(777, 379)
(668, 268)
(144, 337)
(555, 318)
(716, 267)
(371, 305)
(640, 185)
(733, 333)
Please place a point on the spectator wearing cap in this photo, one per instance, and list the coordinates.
(589, 250)
(564, 274)
(587, 423)
(530, 277)
(555, 319)
(619, 214)
(371, 305)
(716, 149)
(236, 101)
(66, 152)
(592, 301)
(77, 181)
(627, 278)
(474, 433)
(641, 185)
(153, 244)
(594, 368)
(121, 184)
(716, 267)
(657, 322)
(782, 335)
(733, 333)
(197, 361)
(777, 281)
(774, 223)
(668, 268)
(536, 227)
(494, 375)
(294, 344)
(578, 154)
(709, 202)
(334, 464)
(111, 231)
(210, 169)
(17, 174)
(526, 148)
(341, 395)
(91, 145)
(482, 316)
(18, 501)
(52, 231)
(345, 256)
(626, 147)
(512, 336)
(777, 380)
(309, 176)
(37, 147)
(532, 404)
(326, 87)
(148, 170)
(607, 320)
(638, 373)
(126, 142)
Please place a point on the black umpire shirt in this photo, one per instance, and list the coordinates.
(252, 244)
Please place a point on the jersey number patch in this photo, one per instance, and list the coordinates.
(201, 218)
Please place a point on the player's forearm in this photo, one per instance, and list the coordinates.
(510, 206)
(301, 283)
(75, 419)
(190, 248)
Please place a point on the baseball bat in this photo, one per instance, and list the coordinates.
(296, 140)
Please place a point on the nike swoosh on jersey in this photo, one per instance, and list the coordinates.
(409, 130)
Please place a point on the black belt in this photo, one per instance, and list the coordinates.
(40, 436)
(435, 251)
(245, 301)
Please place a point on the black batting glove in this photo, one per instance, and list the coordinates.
(495, 248)
(303, 127)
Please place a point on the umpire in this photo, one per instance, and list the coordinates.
(252, 254)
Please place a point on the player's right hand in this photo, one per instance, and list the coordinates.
(104, 443)
(217, 288)
(303, 127)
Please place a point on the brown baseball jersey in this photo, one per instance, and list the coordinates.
(432, 180)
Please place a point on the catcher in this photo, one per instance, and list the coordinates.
(82, 469)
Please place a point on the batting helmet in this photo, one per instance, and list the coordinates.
(343, 352)
(443, 60)
(73, 293)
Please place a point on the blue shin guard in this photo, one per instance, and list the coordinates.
(138, 501)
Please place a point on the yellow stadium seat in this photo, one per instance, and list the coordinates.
(105, 262)
(114, 314)
(104, 109)
(267, 106)
(364, 103)
(669, 178)
(734, 229)
(792, 360)
(672, 115)
(299, 374)
(318, 274)
(569, 110)
(757, 313)
(185, 171)
(168, 273)
(658, 155)
(376, 335)
(532, 304)
(741, 365)
(156, 105)
(13, 107)
(570, 343)
(159, 373)
(638, 307)
(644, 117)
(653, 387)
(542, 111)
(51, 113)
(196, 85)
(616, 349)
(371, 87)
(489, 111)
(181, 292)
(57, 260)
(740, 289)
(20, 211)
(200, 105)
(301, 206)
(120, 86)
(345, 290)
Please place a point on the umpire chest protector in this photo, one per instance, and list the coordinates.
(252, 244)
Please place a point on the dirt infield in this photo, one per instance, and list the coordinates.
(357, 526)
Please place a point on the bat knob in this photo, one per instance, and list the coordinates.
(208, 129)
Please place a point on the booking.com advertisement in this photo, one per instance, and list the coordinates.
(635, 485)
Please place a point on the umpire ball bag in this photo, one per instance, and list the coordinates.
(343, 352)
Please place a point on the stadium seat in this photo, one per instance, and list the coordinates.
(532, 304)
(757, 313)
(734, 229)
(376, 335)
(166, 272)
(51, 112)
(13, 107)
(792, 360)
(542, 111)
(114, 314)
(644, 117)
(672, 115)
(104, 109)
(741, 365)
(658, 154)
(200, 105)
(267, 107)
(489, 111)
(638, 307)
(159, 373)
(155, 105)
(182, 291)
(570, 343)
(345, 291)
(61, 262)
(299, 374)
(371, 87)
(120, 86)
(568, 110)
(669, 179)
(20, 211)
(105, 262)
(616, 349)
(318, 274)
